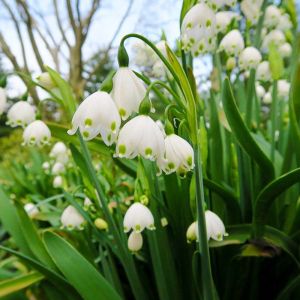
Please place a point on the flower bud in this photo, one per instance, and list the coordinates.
(230, 63)
(31, 210)
(267, 99)
(123, 58)
(101, 224)
(36, 133)
(46, 81)
(20, 114)
(46, 165)
(71, 218)
(57, 182)
(138, 217)
(135, 241)
(263, 71)
(128, 92)
(58, 168)
(191, 232)
(260, 91)
(59, 151)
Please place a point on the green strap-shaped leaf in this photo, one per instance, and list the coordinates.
(18, 283)
(243, 135)
(285, 293)
(79, 272)
(268, 195)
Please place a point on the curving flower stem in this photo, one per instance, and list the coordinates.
(184, 85)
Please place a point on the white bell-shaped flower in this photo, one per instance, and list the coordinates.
(36, 133)
(128, 92)
(3, 100)
(140, 136)
(251, 9)
(275, 36)
(60, 152)
(179, 155)
(97, 114)
(46, 165)
(249, 58)
(263, 71)
(191, 234)
(224, 18)
(272, 16)
(45, 80)
(232, 43)
(31, 209)
(138, 217)
(283, 87)
(260, 90)
(285, 50)
(135, 241)
(144, 56)
(58, 168)
(20, 114)
(198, 30)
(214, 226)
(57, 182)
(267, 99)
(284, 23)
(71, 218)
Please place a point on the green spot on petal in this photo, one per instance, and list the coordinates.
(122, 149)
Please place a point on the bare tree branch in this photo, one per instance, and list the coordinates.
(88, 20)
(71, 16)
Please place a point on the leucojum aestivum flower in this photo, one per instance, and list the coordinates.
(160, 168)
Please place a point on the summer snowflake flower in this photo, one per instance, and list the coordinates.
(275, 36)
(46, 81)
(260, 91)
(267, 99)
(21, 114)
(135, 241)
(214, 226)
(138, 217)
(57, 182)
(2, 100)
(224, 18)
(251, 9)
(36, 133)
(60, 153)
(198, 30)
(272, 16)
(232, 43)
(140, 136)
(283, 87)
(144, 55)
(285, 50)
(263, 71)
(284, 23)
(191, 232)
(97, 114)
(249, 58)
(46, 165)
(58, 168)
(31, 210)
(179, 155)
(128, 92)
(71, 218)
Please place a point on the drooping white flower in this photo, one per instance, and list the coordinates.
(20, 114)
(140, 136)
(224, 18)
(251, 9)
(138, 217)
(57, 182)
(191, 232)
(285, 22)
(158, 69)
(230, 63)
(71, 218)
(179, 155)
(283, 87)
(285, 50)
(135, 241)
(249, 58)
(198, 30)
(144, 56)
(232, 43)
(214, 226)
(128, 92)
(97, 114)
(2, 100)
(275, 36)
(36, 133)
(46, 81)
(46, 165)
(58, 168)
(60, 152)
(267, 99)
(31, 210)
(263, 71)
(260, 91)
(272, 16)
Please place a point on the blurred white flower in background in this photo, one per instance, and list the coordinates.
(3, 100)
(135, 241)
(31, 209)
